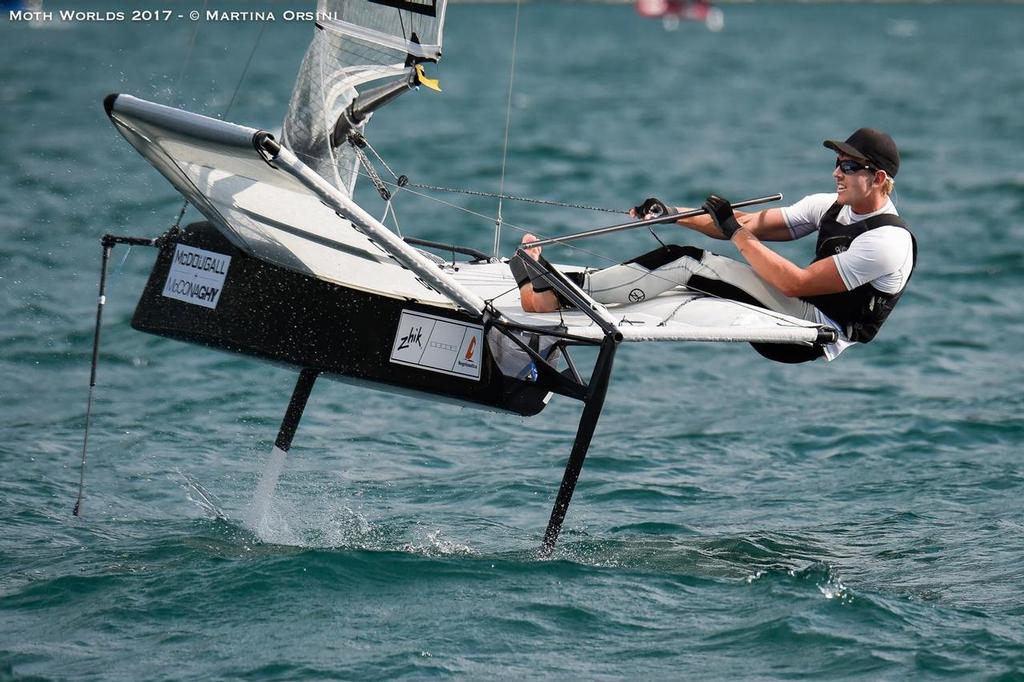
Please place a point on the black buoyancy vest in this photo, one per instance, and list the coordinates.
(859, 311)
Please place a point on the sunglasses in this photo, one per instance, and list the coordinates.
(849, 166)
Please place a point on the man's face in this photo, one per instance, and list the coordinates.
(853, 187)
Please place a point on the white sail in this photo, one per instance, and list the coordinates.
(356, 42)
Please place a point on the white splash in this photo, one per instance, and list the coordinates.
(833, 588)
(202, 497)
(265, 490)
(437, 546)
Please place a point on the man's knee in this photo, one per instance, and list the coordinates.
(664, 255)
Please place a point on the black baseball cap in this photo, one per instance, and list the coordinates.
(868, 144)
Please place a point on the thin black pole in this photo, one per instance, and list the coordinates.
(588, 423)
(108, 245)
(296, 406)
(290, 423)
(668, 218)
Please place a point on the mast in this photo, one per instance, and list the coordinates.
(356, 45)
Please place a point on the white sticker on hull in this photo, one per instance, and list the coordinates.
(196, 276)
(439, 345)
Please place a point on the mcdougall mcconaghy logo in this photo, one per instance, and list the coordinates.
(203, 261)
(196, 276)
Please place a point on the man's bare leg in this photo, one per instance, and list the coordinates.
(535, 301)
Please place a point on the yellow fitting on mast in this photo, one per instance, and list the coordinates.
(421, 79)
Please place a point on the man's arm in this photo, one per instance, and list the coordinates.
(768, 225)
(820, 277)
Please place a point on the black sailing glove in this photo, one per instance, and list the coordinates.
(720, 211)
(652, 208)
(518, 268)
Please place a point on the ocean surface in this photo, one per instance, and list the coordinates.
(736, 519)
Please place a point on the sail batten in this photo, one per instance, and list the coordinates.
(416, 49)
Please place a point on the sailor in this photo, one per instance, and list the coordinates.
(863, 259)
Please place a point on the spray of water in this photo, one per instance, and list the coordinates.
(265, 490)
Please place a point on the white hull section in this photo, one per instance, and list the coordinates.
(676, 315)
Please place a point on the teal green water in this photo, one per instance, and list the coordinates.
(736, 519)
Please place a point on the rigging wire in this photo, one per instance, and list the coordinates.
(177, 85)
(484, 216)
(245, 70)
(191, 44)
(231, 102)
(394, 215)
(403, 181)
(181, 214)
(573, 247)
(513, 197)
(508, 121)
(580, 250)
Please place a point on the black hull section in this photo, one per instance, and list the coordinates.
(286, 317)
